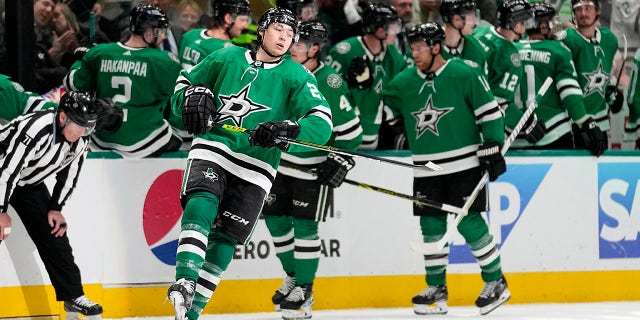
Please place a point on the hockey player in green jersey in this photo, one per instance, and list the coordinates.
(368, 64)
(15, 101)
(633, 101)
(452, 119)
(137, 77)
(460, 20)
(228, 174)
(504, 65)
(544, 57)
(295, 228)
(229, 19)
(593, 48)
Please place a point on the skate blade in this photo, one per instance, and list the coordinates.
(303, 313)
(504, 297)
(71, 315)
(439, 307)
(277, 307)
(178, 305)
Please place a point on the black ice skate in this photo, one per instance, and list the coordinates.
(432, 300)
(297, 305)
(181, 295)
(83, 305)
(287, 285)
(493, 295)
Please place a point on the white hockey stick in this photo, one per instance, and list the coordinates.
(434, 247)
(624, 60)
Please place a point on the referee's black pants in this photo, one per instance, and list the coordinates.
(32, 205)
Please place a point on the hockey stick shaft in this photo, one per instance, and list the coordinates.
(624, 61)
(430, 166)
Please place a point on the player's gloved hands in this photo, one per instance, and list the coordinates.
(491, 160)
(593, 137)
(197, 109)
(110, 116)
(615, 98)
(333, 171)
(533, 129)
(266, 134)
(359, 73)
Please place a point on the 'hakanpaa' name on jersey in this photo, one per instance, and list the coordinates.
(137, 68)
(535, 56)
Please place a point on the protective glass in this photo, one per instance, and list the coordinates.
(393, 27)
(85, 130)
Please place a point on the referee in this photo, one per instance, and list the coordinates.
(34, 147)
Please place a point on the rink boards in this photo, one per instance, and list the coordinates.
(567, 222)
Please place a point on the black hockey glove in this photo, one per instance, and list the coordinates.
(491, 160)
(333, 171)
(110, 116)
(197, 109)
(593, 137)
(533, 129)
(359, 73)
(266, 134)
(615, 98)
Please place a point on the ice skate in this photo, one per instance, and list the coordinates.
(432, 300)
(181, 295)
(285, 288)
(297, 305)
(493, 295)
(82, 305)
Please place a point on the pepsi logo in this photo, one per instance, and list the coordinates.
(161, 216)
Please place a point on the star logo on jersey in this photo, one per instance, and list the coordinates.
(427, 118)
(237, 106)
(209, 174)
(596, 81)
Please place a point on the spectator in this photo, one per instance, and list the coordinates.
(188, 13)
(66, 35)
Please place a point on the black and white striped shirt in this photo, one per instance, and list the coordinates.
(33, 148)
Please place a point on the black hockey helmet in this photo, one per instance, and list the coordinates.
(543, 12)
(237, 7)
(80, 108)
(279, 15)
(147, 16)
(313, 32)
(296, 6)
(578, 3)
(511, 12)
(430, 32)
(378, 16)
(449, 8)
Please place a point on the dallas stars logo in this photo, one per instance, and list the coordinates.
(596, 81)
(237, 106)
(427, 118)
(209, 174)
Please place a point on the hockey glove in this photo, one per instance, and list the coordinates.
(533, 129)
(615, 98)
(491, 160)
(333, 171)
(359, 73)
(197, 109)
(266, 134)
(593, 137)
(110, 116)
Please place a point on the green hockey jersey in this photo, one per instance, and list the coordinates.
(196, 45)
(562, 103)
(593, 59)
(384, 66)
(442, 116)
(347, 132)
(15, 101)
(141, 81)
(248, 92)
(470, 49)
(633, 100)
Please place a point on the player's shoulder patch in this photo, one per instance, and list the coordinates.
(334, 81)
(17, 86)
(515, 59)
(470, 63)
(343, 47)
(173, 57)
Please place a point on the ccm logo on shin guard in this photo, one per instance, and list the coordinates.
(235, 217)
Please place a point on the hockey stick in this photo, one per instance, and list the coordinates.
(429, 166)
(624, 61)
(434, 247)
(420, 201)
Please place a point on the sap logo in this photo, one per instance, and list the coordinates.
(299, 203)
(235, 217)
(509, 197)
(619, 210)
